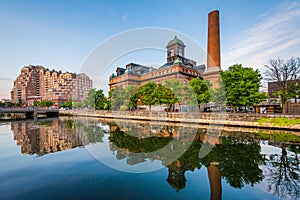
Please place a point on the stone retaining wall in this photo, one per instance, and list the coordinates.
(220, 119)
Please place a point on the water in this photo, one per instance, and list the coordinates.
(84, 158)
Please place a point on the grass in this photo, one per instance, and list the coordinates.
(284, 137)
(280, 121)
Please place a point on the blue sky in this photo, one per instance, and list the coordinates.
(61, 34)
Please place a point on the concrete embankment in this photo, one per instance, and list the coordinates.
(221, 119)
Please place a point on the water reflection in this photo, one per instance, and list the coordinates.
(235, 157)
(53, 135)
(239, 158)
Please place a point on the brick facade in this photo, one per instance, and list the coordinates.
(177, 67)
(39, 83)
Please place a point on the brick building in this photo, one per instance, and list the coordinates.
(39, 83)
(177, 67)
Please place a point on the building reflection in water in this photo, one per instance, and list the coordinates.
(237, 157)
(53, 135)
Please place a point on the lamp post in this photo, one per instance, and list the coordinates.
(296, 92)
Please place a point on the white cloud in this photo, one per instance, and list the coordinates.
(276, 35)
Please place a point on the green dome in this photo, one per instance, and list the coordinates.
(175, 41)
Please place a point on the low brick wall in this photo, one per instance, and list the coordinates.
(221, 119)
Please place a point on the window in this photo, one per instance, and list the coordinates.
(180, 52)
(172, 52)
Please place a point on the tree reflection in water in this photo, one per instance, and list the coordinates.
(282, 171)
(235, 158)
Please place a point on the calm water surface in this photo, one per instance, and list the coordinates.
(84, 158)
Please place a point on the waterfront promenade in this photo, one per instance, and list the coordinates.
(250, 120)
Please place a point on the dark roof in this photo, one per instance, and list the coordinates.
(168, 64)
(121, 69)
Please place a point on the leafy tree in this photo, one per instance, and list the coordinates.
(101, 102)
(241, 85)
(117, 97)
(178, 89)
(164, 95)
(219, 95)
(68, 104)
(147, 94)
(153, 94)
(286, 74)
(78, 104)
(90, 99)
(43, 103)
(36, 103)
(129, 91)
(201, 90)
(96, 99)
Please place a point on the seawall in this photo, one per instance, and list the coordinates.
(249, 120)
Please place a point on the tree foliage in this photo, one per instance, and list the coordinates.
(120, 97)
(201, 90)
(286, 74)
(153, 94)
(43, 103)
(67, 104)
(96, 99)
(241, 85)
(101, 103)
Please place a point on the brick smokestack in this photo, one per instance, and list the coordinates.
(213, 41)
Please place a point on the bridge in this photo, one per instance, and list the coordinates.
(31, 112)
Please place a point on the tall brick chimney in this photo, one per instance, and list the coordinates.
(213, 40)
(213, 49)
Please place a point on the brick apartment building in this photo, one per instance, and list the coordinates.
(39, 83)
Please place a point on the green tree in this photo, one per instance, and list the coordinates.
(67, 104)
(36, 103)
(218, 95)
(241, 85)
(90, 99)
(101, 102)
(286, 74)
(129, 91)
(117, 97)
(147, 94)
(153, 94)
(78, 104)
(178, 89)
(46, 103)
(200, 90)
(164, 95)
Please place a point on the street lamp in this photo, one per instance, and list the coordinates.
(296, 92)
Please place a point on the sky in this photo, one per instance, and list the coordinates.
(63, 34)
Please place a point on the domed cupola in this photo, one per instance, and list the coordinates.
(175, 49)
(175, 41)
